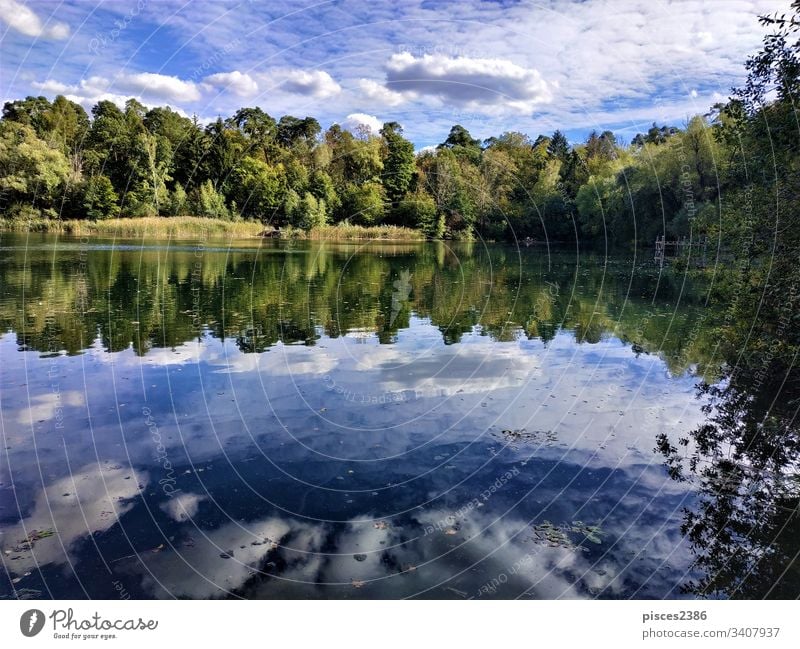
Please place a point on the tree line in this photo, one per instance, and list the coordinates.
(58, 162)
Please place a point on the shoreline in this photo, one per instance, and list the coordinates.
(192, 227)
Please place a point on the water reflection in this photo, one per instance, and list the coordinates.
(744, 527)
(342, 421)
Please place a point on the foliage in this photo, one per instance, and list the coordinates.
(743, 458)
(207, 201)
(100, 199)
(363, 204)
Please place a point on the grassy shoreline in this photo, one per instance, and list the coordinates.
(193, 227)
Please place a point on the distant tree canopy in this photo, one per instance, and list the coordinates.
(133, 161)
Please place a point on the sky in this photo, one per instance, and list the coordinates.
(490, 65)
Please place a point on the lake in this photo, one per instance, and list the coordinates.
(287, 419)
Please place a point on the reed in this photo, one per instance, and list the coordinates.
(190, 227)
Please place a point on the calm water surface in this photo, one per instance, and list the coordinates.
(280, 420)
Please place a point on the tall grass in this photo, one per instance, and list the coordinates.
(175, 227)
(189, 227)
(346, 231)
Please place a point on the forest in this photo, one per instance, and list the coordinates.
(57, 162)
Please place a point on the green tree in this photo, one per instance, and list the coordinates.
(258, 188)
(31, 171)
(558, 147)
(364, 203)
(100, 201)
(399, 166)
(178, 201)
(459, 137)
(418, 210)
(207, 201)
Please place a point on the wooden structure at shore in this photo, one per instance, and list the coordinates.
(693, 251)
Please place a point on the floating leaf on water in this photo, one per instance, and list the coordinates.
(36, 535)
(568, 536)
(540, 437)
(591, 533)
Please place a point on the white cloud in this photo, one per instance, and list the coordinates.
(355, 120)
(311, 83)
(183, 507)
(90, 500)
(159, 86)
(153, 89)
(239, 83)
(596, 58)
(374, 91)
(18, 16)
(469, 82)
(51, 85)
(49, 406)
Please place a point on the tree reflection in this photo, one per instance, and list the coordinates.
(744, 526)
(162, 298)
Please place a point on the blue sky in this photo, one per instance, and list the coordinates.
(491, 65)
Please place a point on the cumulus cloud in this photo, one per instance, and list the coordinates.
(90, 500)
(355, 120)
(51, 85)
(595, 59)
(311, 83)
(239, 83)
(49, 406)
(376, 92)
(183, 506)
(158, 86)
(468, 82)
(23, 19)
